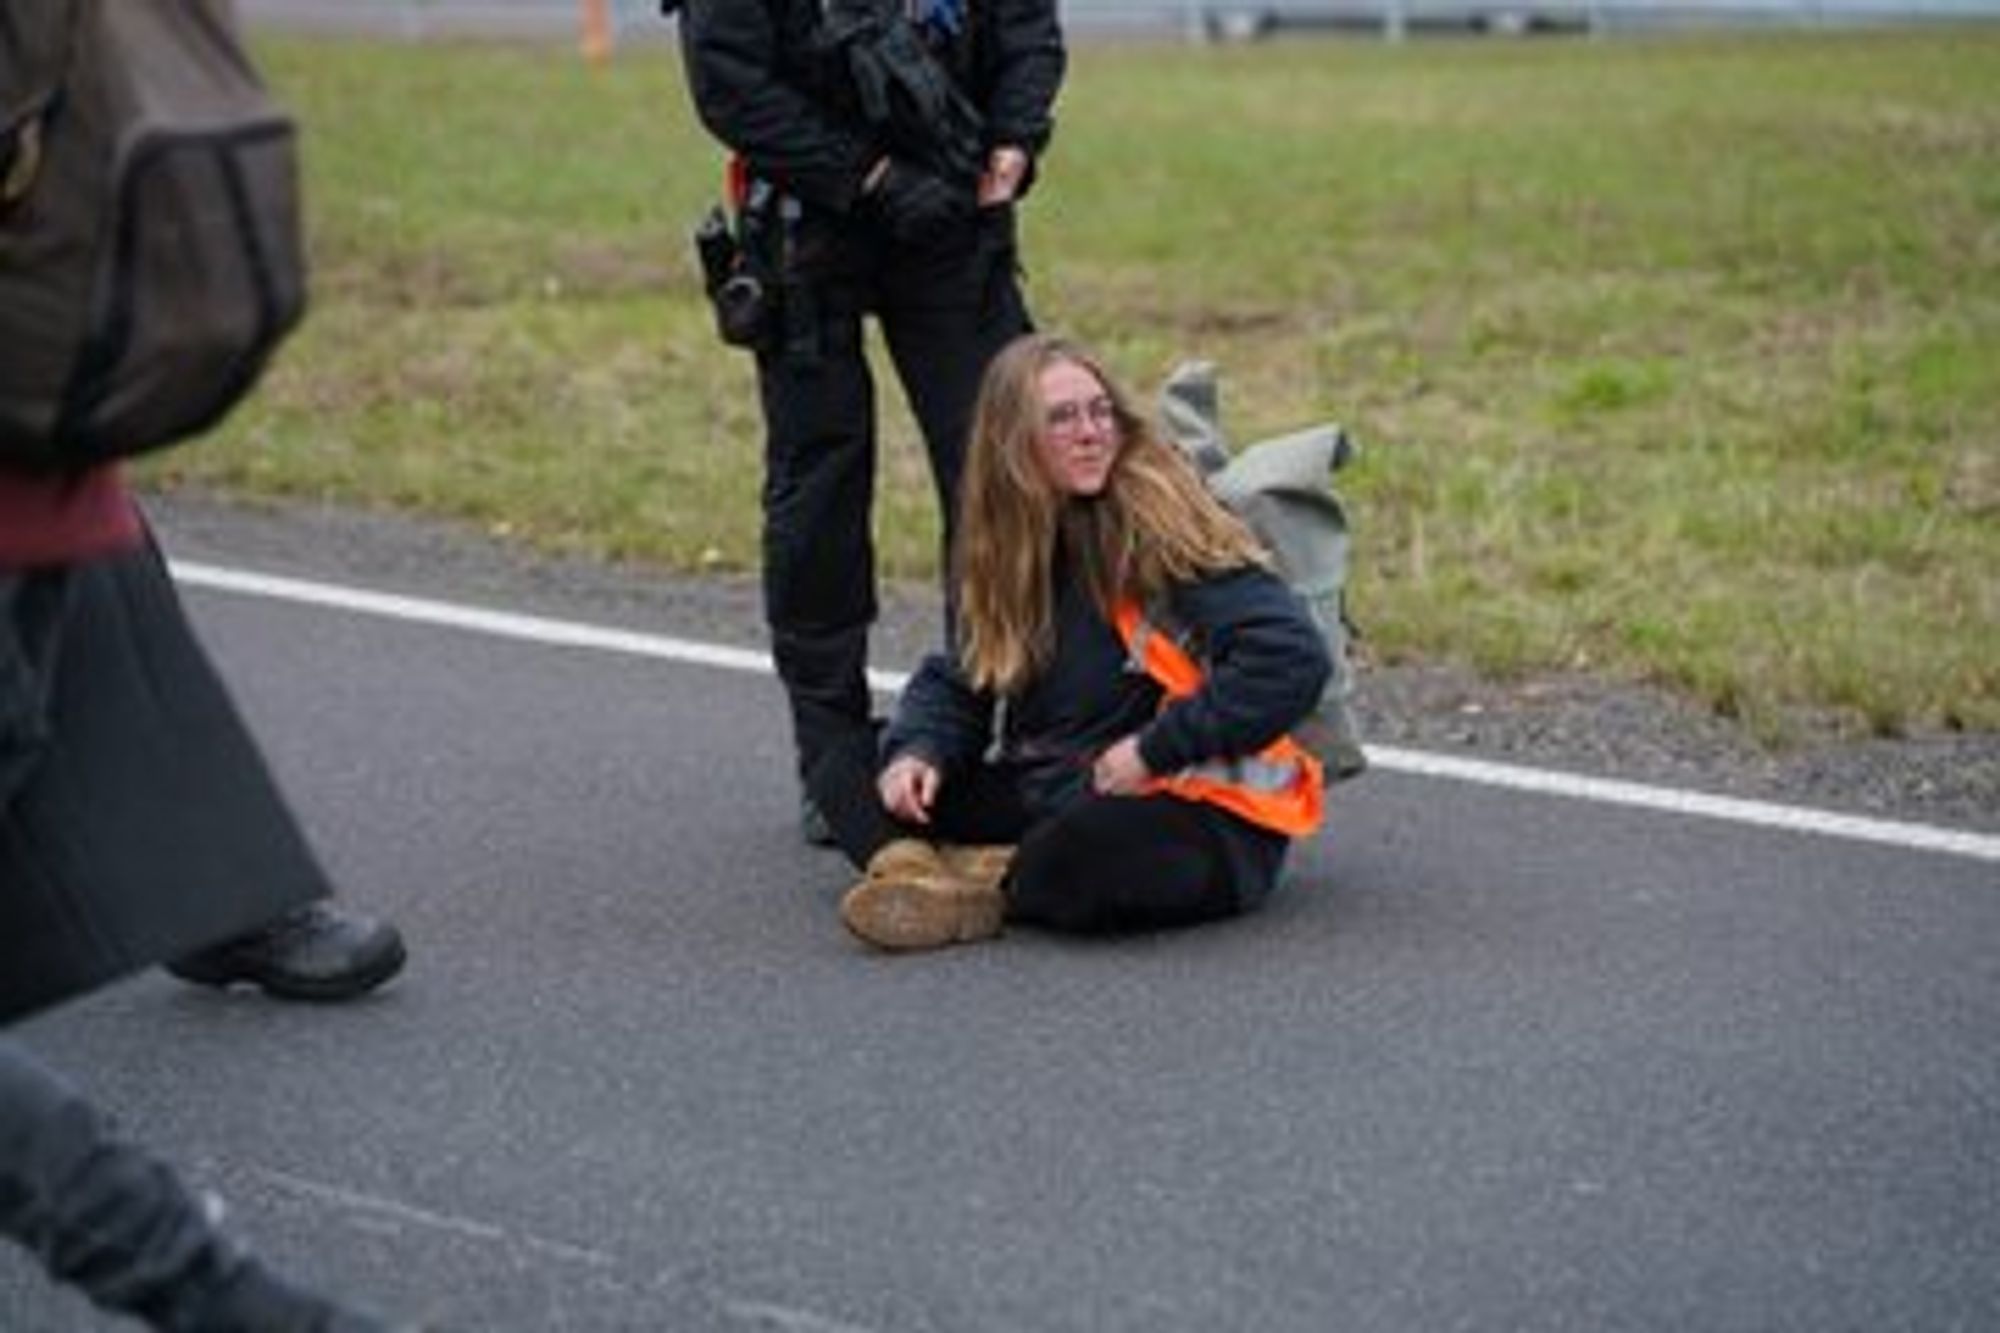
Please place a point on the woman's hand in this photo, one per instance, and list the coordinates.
(1120, 770)
(908, 786)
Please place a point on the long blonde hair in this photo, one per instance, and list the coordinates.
(1154, 523)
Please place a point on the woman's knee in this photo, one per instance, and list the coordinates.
(1068, 880)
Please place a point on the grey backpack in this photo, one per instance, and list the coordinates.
(150, 257)
(1283, 488)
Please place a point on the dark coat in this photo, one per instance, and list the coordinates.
(137, 818)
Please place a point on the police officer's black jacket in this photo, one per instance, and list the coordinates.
(765, 84)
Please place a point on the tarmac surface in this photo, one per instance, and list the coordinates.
(1493, 1061)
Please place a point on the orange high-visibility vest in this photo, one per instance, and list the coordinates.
(1281, 787)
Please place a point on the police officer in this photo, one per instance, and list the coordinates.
(888, 142)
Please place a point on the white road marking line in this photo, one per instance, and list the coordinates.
(1674, 800)
(787, 1319)
(480, 620)
(394, 1210)
(1514, 777)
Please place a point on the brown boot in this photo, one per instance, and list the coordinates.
(982, 863)
(912, 899)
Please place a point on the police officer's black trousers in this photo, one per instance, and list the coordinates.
(943, 315)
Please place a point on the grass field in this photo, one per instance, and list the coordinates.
(1674, 360)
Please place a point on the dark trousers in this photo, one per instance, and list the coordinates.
(1099, 864)
(944, 313)
(99, 1212)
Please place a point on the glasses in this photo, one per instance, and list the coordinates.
(1069, 418)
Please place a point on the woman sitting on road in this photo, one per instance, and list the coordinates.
(1124, 671)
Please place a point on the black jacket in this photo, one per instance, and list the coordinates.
(765, 84)
(1265, 665)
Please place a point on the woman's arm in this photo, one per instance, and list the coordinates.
(1266, 666)
(940, 718)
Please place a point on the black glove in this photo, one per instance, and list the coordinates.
(918, 208)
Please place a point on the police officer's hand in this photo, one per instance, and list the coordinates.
(1005, 175)
(918, 208)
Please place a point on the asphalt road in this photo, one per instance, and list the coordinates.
(1494, 1061)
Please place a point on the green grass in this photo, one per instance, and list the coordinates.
(1674, 360)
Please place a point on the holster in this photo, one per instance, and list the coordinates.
(739, 269)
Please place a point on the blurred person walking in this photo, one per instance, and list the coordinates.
(139, 823)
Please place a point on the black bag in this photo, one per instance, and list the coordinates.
(150, 255)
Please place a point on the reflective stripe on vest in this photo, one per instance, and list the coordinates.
(1281, 787)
